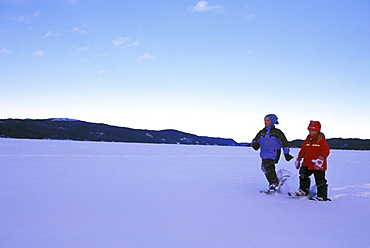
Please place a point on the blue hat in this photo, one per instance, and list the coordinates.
(273, 119)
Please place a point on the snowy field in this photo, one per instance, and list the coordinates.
(56, 194)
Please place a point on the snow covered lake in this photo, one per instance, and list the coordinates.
(118, 195)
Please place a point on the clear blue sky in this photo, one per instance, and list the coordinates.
(213, 68)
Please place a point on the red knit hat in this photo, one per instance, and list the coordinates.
(315, 126)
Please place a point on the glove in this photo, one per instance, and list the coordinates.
(255, 145)
(298, 163)
(288, 157)
(319, 162)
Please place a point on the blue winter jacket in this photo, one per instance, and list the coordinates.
(271, 141)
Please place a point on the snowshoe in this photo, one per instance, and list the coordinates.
(301, 193)
(298, 194)
(319, 198)
(273, 188)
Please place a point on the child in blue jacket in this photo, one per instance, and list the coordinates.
(271, 140)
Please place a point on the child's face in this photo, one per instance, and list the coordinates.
(312, 132)
(267, 122)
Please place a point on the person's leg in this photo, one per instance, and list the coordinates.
(304, 179)
(268, 167)
(321, 184)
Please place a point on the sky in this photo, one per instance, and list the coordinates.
(210, 68)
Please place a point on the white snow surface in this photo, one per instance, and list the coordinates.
(95, 194)
(63, 119)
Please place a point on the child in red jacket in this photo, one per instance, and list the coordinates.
(314, 152)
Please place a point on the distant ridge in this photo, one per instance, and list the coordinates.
(340, 143)
(71, 129)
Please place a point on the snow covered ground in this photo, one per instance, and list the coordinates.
(93, 194)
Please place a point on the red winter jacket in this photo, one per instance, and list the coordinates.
(312, 148)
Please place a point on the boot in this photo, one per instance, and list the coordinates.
(300, 192)
(319, 198)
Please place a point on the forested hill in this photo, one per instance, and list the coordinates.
(69, 129)
(339, 143)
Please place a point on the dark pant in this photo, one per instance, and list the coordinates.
(268, 167)
(305, 181)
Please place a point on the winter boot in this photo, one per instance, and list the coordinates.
(301, 193)
(319, 198)
(273, 187)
